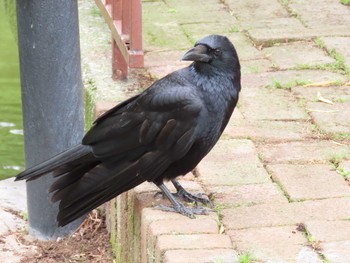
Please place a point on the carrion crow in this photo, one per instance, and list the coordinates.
(158, 135)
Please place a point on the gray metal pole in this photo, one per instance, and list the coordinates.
(52, 102)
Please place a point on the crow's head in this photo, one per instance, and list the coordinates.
(214, 52)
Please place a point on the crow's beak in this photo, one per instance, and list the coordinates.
(198, 53)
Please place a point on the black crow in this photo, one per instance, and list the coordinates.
(158, 135)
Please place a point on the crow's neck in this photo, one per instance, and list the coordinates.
(214, 80)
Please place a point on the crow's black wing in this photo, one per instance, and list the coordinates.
(134, 143)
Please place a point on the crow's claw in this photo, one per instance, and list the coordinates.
(184, 210)
(196, 198)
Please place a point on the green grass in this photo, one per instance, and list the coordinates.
(276, 84)
(233, 29)
(341, 136)
(172, 10)
(89, 91)
(339, 64)
(343, 172)
(336, 158)
(343, 99)
(218, 209)
(95, 11)
(245, 258)
(345, 2)
(24, 215)
(314, 244)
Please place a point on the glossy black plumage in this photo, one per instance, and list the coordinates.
(157, 135)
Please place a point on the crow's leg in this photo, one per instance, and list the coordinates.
(182, 193)
(179, 207)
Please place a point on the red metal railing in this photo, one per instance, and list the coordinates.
(124, 18)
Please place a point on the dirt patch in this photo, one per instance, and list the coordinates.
(90, 243)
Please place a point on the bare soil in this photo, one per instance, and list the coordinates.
(89, 243)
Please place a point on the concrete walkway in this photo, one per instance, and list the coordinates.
(279, 175)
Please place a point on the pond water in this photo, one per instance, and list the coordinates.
(11, 133)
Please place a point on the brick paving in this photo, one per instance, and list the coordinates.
(278, 175)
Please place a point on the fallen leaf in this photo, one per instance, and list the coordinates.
(320, 98)
(323, 111)
(221, 229)
(320, 84)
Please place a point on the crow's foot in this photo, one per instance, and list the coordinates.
(184, 210)
(182, 193)
(188, 197)
(193, 198)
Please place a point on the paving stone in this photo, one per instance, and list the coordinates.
(208, 11)
(9, 222)
(345, 166)
(266, 130)
(269, 131)
(303, 152)
(291, 55)
(177, 227)
(13, 195)
(232, 162)
(280, 105)
(162, 57)
(195, 30)
(329, 231)
(334, 14)
(184, 226)
(282, 30)
(256, 66)
(266, 215)
(253, 10)
(330, 118)
(337, 94)
(289, 78)
(199, 241)
(247, 195)
(337, 252)
(340, 44)
(201, 256)
(274, 244)
(149, 215)
(312, 181)
(195, 241)
(245, 47)
(160, 29)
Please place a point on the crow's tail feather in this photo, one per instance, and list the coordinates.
(59, 164)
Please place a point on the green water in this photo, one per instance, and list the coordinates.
(11, 134)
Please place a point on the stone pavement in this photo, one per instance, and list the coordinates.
(279, 174)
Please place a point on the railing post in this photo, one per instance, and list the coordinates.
(116, 10)
(124, 18)
(119, 65)
(126, 21)
(136, 52)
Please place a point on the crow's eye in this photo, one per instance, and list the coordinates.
(217, 52)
